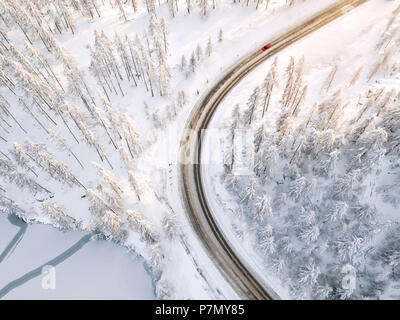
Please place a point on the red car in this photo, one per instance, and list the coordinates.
(266, 47)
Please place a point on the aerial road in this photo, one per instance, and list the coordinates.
(237, 272)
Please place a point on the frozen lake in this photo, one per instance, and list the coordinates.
(83, 269)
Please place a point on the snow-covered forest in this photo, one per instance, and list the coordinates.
(94, 95)
(321, 206)
(88, 91)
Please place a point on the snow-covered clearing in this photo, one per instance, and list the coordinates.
(312, 218)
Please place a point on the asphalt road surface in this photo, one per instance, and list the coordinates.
(237, 272)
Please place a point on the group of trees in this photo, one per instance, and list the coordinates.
(319, 171)
(141, 63)
(190, 67)
(113, 61)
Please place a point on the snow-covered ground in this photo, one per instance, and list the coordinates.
(349, 43)
(143, 210)
(98, 270)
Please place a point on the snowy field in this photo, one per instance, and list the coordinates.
(94, 96)
(98, 270)
(282, 218)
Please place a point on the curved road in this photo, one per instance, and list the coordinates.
(237, 272)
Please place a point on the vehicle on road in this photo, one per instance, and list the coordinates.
(266, 47)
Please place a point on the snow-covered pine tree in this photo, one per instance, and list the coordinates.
(204, 7)
(121, 9)
(290, 70)
(89, 135)
(327, 164)
(356, 76)
(133, 56)
(105, 55)
(112, 223)
(266, 91)
(124, 56)
(296, 85)
(172, 8)
(63, 145)
(113, 118)
(299, 188)
(308, 274)
(263, 205)
(55, 169)
(103, 121)
(337, 211)
(109, 178)
(18, 15)
(209, 49)
(41, 63)
(22, 157)
(5, 107)
(181, 98)
(135, 5)
(249, 192)
(11, 173)
(90, 7)
(126, 158)
(67, 16)
(151, 6)
(163, 72)
(135, 184)
(229, 152)
(150, 70)
(189, 6)
(98, 206)
(259, 137)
